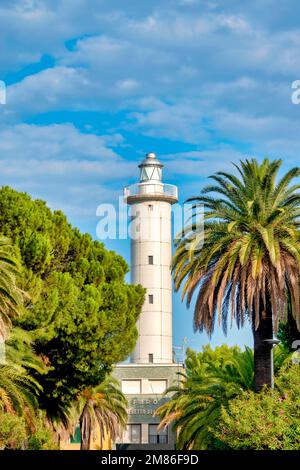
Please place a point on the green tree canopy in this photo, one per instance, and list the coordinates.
(79, 309)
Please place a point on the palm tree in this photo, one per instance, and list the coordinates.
(18, 388)
(20, 353)
(247, 259)
(10, 294)
(102, 413)
(17, 392)
(211, 379)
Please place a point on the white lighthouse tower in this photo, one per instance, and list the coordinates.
(151, 254)
(152, 369)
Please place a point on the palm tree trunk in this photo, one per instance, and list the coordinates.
(263, 353)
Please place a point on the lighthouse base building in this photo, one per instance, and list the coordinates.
(143, 386)
(152, 368)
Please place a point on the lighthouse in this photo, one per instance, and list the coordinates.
(151, 369)
(151, 255)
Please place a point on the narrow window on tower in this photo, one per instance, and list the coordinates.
(150, 207)
(150, 259)
(151, 358)
(150, 297)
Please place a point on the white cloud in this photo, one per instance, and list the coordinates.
(202, 163)
(62, 165)
(177, 121)
(212, 74)
(127, 84)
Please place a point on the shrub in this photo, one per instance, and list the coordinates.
(12, 431)
(269, 420)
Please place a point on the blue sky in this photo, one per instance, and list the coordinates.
(92, 85)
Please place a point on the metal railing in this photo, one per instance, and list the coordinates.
(155, 189)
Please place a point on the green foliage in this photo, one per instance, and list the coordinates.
(18, 388)
(20, 354)
(16, 434)
(43, 437)
(281, 356)
(288, 333)
(247, 260)
(10, 294)
(12, 431)
(269, 420)
(210, 380)
(81, 313)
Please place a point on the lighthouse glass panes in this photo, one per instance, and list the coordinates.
(150, 173)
